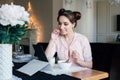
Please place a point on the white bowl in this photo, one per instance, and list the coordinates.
(64, 65)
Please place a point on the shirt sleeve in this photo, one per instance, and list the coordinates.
(52, 49)
(87, 50)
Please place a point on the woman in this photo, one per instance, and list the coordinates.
(69, 44)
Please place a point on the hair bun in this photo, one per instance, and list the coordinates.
(61, 11)
(77, 15)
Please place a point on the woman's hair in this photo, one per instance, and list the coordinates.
(73, 16)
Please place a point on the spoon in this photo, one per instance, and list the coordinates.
(68, 57)
(67, 60)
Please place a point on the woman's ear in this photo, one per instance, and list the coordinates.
(73, 25)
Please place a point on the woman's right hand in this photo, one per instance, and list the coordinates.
(55, 33)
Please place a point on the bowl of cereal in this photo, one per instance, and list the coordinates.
(64, 65)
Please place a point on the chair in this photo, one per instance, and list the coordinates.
(102, 56)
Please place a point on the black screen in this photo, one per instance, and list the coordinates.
(118, 22)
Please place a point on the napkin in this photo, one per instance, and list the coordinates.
(58, 71)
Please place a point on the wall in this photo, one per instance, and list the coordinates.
(86, 25)
(106, 20)
(42, 19)
(43, 12)
(6, 1)
(98, 23)
(57, 4)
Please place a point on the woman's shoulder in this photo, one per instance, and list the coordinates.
(82, 38)
(78, 35)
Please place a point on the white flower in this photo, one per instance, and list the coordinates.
(13, 15)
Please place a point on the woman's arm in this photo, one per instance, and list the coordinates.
(82, 63)
(85, 63)
(86, 53)
(77, 60)
(51, 49)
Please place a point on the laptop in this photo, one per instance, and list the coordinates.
(40, 53)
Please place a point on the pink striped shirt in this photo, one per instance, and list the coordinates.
(80, 43)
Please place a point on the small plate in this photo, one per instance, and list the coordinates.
(22, 58)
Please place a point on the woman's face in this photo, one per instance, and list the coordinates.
(65, 25)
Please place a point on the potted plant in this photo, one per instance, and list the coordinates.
(13, 26)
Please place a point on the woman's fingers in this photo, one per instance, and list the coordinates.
(75, 55)
(55, 33)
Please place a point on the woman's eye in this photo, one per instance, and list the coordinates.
(65, 24)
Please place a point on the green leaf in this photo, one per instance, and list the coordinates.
(12, 34)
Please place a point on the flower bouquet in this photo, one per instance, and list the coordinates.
(13, 23)
(13, 26)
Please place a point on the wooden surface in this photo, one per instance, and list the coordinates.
(90, 74)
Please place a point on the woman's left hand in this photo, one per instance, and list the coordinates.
(76, 57)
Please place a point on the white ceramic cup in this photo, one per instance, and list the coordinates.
(52, 62)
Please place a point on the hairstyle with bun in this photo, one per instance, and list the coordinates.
(73, 16)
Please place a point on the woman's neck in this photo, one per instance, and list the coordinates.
(69, 37)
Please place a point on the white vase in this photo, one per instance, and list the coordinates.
(5, 61)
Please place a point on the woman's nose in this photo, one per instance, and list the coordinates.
(62, 26)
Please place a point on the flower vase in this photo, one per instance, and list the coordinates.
(5, 61)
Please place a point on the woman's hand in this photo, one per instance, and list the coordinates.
(77, 60)
(55, 33)
(76, 56)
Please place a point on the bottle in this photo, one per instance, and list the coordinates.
(20, 50)
(118, 38)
